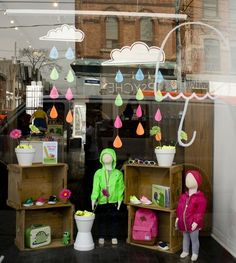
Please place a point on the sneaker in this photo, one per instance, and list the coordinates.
(163, 245)
(184, 254)
(101, 241)
(144, 200)
(40, 201)
(52, 200)
(194, 257)
(114, 241)
(28, 202)
(134, 200)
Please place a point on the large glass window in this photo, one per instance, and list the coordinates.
(146, 31)
(111, 32)
(210, 8)
(211, 55)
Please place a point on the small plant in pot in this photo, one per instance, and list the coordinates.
(165, 153)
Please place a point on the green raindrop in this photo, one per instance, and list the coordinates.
(159, 96)
(139, 95)
(70, 77)
(118, 101)
(54, 74)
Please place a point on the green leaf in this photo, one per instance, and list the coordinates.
(183, 135)
(154, 130)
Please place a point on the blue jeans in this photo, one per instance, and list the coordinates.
(193, 236)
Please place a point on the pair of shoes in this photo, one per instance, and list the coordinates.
(52, 200)
(194, 257)
(144, 200)
(114, 241)
(28, 202)
(40, 201)
(184, 254)
(101, 241)
(134, 200)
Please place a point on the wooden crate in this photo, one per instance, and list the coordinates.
(58, 217)
(38, 180)
(140, 178)
(166, 229)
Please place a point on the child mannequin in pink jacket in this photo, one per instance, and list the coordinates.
(190, 213)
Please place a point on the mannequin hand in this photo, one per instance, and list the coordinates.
(194, 226)
(176, 222)
(119, 204)
(93, 204)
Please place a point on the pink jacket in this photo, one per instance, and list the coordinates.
(191, 209)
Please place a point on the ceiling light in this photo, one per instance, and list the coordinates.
(16, 28)
(93, 13)
(12, 21)
(55, 4)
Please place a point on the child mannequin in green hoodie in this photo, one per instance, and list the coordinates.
(107, 194)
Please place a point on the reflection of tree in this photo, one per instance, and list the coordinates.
(37, 59)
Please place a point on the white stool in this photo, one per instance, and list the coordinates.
(84, 239)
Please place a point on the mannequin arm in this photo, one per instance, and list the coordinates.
(194, 226)
(93, 202)
(119, 204)
(176, 222)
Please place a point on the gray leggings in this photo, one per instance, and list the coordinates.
(193, 236)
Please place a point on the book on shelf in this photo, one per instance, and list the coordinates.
(161, 195)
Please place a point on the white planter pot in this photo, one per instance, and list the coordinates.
(165, 157)
(25, 156)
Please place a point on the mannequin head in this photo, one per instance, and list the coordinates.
(193, 179)
(107, 158)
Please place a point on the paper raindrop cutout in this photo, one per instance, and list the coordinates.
(158, 116)
(54, 93)
(119, 77)
(139, 75)
(53, 112)
(117, 142)
(54, 74)
(159, 96)
(139, 95)
(139, 111)
(140, 130)
(69, 94)
(69, 54)
(53, 53)
(70, 77)
(69, 117)
(118, 100)
(159, 77)
(118, 122)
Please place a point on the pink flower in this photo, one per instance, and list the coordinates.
(15, 134)
(65, 194)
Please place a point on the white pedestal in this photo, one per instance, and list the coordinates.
(84, 239)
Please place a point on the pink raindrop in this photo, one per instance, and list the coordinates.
(118, 122)
(139, 111)
(54, 93)
(69, 94)
(158, 116)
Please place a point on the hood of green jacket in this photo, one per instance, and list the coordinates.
(112, 153)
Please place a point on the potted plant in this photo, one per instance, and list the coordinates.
(24, 152)
(165, 153)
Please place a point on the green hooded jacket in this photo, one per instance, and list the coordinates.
(108, 186)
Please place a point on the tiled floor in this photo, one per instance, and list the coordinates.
(210, 251)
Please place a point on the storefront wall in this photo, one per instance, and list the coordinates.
(113, 57)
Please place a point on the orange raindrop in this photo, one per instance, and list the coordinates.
(158, 137)
(140, 130)
(69, 117)
(53, 112)
(117, 142)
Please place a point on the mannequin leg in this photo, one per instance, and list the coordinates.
(186, 244)
(195, 244)
(114, 223)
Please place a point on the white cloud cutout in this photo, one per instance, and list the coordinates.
(137, 53)
(64, 33)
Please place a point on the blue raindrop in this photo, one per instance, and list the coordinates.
(139, 75)
(69, 54)
(159, 77)
(119, 77)
(53, 53)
